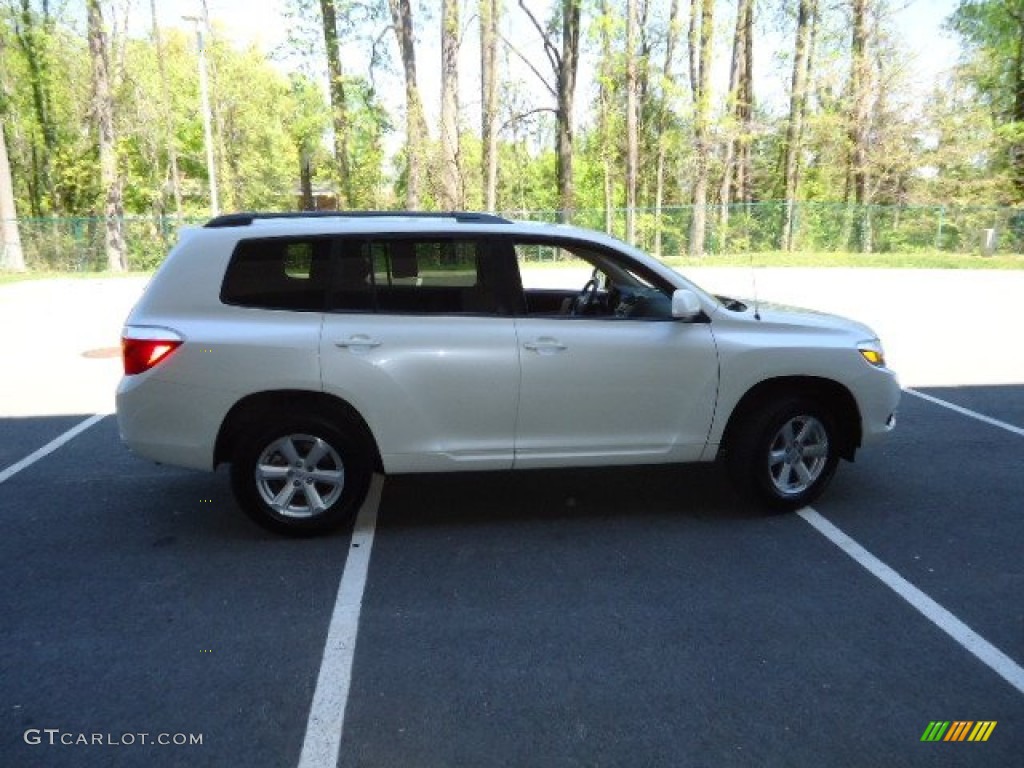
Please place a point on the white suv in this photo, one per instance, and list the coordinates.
(311, 351)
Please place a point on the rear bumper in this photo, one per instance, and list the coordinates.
(170, 423)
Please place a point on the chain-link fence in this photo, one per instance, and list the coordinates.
(78, 244)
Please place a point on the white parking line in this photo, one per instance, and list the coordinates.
(327, 714)
(974, 643)
(50, 447)
(967, 412)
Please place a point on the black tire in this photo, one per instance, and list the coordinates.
(784, 454)
(301, 475)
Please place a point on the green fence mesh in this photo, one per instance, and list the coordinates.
(77, 244)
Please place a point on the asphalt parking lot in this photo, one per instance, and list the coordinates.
(640, 617)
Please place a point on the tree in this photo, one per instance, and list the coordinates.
(452, 196)
(103, 105)
(858, 176)
(993, 31)
(172, 150)
(668, 87)
(562, 48)
(306, 124)
(11, 256)
(223, 184)
(701, 39)
(606, 96)
(960, 130)
(415, 125)
(33, 31)
(805, 20)
(632, 129)
(489, 13)
(339, 108)
(737, 166)
(370, 122)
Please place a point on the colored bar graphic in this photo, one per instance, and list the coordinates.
(958, 730)
(935, 731)
(982, 730)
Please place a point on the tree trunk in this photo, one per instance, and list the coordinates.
(339, 107)
(225, 163)
(632, 137)
(30, 32)
(489, 13)
(165, 109)
(797, 111)
(566, 96)
(564, 60)
(700, 76)
(668, 88)
(415, 127)
(735, 163)
(1017, 147)
(860, 86)
(11, 256)
(604, 97)
(745, 166)
(103, 106)
(451, 177)
(306, 180)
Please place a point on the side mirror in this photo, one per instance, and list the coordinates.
(685, 304)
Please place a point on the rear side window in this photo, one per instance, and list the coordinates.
(447, 276)
(278, 273)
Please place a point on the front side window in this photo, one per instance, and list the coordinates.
(278, 273)
(577, 280)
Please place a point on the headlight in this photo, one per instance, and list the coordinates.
(871, 350)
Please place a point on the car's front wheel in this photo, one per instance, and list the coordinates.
(301, 475)
(786, 453)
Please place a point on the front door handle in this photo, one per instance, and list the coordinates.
(545, 345)
(358, 343)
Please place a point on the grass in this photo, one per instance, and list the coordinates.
(910, 260)
(8, 277)
(807, 259)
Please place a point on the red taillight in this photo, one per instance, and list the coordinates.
(142, 354)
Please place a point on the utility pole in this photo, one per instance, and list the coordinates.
(204, 97)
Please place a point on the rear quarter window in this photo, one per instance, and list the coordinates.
(278, 273)
(419, 275)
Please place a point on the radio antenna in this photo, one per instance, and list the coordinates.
(753, 283)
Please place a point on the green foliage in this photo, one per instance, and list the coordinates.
(938, 171)
(44, 79)
(993, 34)
(369, 124)
(956, 161)
(992, 30)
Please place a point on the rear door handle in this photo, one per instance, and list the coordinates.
(545, 345)
(358, 343)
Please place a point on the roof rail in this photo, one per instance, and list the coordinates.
(245, 219)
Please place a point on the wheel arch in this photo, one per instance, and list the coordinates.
(829, 393)
(263, 405)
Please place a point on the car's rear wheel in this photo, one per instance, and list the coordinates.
(301, 475)
(786, 454)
